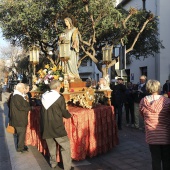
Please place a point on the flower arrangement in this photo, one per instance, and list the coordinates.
(48, 73)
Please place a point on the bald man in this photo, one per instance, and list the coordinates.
(18, 117)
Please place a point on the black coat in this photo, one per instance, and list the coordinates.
(139, 95)
(19, 109)
(1, 89)
(118, 94)
(166, 88)
(51, 120)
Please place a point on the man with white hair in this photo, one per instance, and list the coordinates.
(18, 117)
(52, 127)
(139, 92)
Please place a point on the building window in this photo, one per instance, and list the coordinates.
(128, 74)
(143, 71)
(84, 63)
(97, 77)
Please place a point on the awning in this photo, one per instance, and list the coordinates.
(121, 73)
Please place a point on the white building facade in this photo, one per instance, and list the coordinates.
(157, 67)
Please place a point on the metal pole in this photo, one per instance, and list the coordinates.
(121, 73)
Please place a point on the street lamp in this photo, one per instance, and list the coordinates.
(107, 55)
(65, 53)
(34, 58)
(107, 59)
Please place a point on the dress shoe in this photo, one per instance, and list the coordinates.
(120, 128)
(132, 125)
(53, 166)
(56, 167)
(21, 151)
(26, 149)
(127, 125)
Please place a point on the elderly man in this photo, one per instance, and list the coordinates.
(139, 92)
(18, 117)
(52, 127)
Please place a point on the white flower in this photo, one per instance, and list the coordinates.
(60, 78)
(46, 81)
(49, 72)
(50, 76)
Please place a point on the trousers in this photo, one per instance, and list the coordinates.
(64, 143)
(160, 157)
(139, 122)
(20, 137)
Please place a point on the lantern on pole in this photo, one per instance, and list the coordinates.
(65, 53)
(34, 56)
(34, 60)
(107, 55)
(107, 59)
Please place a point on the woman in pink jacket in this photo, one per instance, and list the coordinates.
(155, 110)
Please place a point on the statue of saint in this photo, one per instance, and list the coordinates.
(71, 34)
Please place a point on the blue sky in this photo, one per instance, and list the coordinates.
(2, 41)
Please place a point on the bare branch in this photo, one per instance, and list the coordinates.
(137, 36)
(80, 60)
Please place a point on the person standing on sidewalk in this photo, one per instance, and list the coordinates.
(118, 98)
(139, 92)
(129, 104)
(1, 90)
(52, 127)
(166, 87)
(18, 115)
(155, 110)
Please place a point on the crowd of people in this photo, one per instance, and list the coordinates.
(145, 101)
(129, 96)
(145, 108)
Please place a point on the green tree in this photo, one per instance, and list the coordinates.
(32, 22)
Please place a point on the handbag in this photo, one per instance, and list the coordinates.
(10, 129)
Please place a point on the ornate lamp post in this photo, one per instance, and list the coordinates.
(107, 55)
(64, 49)
(34, 59)
(107, 59)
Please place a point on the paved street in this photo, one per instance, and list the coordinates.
(131, 154)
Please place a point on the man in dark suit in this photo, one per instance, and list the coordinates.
(52, 127)
(18, 115)
(118, 98)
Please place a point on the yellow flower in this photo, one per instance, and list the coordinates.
(44, 71)
(54, 68)
(40, 71)
(47, 66)
(55, 77)
(34, 79)
(41, 75)
(59, 67)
